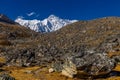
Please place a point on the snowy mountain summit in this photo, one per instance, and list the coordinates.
(50, 24)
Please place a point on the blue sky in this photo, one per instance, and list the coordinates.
(69, 9)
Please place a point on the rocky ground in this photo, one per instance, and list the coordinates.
(83, 50)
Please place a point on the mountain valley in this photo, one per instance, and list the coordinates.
(88, 49)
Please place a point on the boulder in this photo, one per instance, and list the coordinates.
(94, 63)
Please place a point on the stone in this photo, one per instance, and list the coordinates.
(65, 73)
(69, 72)
(51, 70)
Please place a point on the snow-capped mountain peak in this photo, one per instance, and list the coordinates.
(50, 24)
(52, 17)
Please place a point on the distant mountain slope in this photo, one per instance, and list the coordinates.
(50, 24)
(4, 18)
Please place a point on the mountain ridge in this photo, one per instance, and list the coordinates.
(5, 19)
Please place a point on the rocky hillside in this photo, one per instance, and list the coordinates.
(101, 35)
(23, 47)
(86, 35)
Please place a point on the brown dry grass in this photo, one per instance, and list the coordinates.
(3, 36)
(5, 42)
(2, 60)
(41, 73)
(110, 54)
